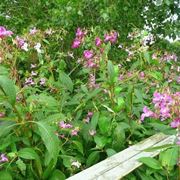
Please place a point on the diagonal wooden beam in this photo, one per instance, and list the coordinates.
(122, 163)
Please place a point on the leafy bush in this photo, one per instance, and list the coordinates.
(70, 99)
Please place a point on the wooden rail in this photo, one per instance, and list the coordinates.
(122, 163)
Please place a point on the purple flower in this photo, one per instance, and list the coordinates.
(4, 32)
(164, 113)
(98, 41)
(112, 37)
(33, 73)
(88, 54)
(146, 113)
(29, 81)
(79, 33)
(175, 123)
(3, 158)
(107, 37)
(20, 41)
(64, 125)
(76, 43)
(90, 64)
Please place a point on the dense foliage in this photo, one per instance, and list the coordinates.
(77, 86)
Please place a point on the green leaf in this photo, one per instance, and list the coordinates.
(119, 137)
(66, 81)
(147, 56)
(159, 147)
(78, 146)
(111, 72)
(3, 71)
(5, 175)
(93, 158)
(121, 103)
(67, 160)
(104, 124)
(100, 141)
(49, 138)
(92, 94)
(110, 152)
(94, 120)
(7, 86)
(151, 162)
(5, 127)
(169, 157)
(28, 153)
(57, 175)
(156, 75)
(21, 165)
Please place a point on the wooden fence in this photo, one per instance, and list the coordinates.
(122, 163)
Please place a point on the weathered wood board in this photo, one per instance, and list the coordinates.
(122, 163)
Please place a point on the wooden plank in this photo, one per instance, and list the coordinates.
(128, 166)
(103, 168)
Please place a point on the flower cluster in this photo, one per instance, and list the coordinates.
(63, 125)
(92, 82)
(111, 37)
(88, 117)
(169, 57)
(166, 57)
(4, 32)
(78, 39)
(166, 106)
(30, 80)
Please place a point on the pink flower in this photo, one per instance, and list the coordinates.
(79, 33)
(121, 77)
(88, 54)
(142, 75)
(112, 37)
(107, 37)
(146, 113)
(20, 41)
(2, 115)
(3, 158)
(65, 125)
(74, 132)
(76, 43)
(154, 56)
(4, 32)
(90, 64)
(90, 114)
(175, 123)
(98, 41)
(33, 31)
